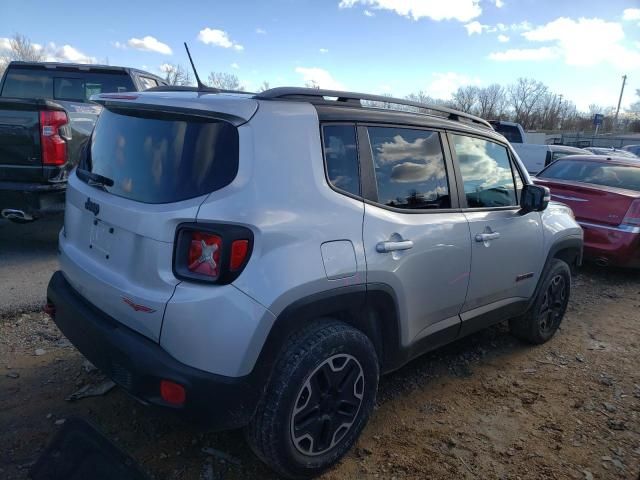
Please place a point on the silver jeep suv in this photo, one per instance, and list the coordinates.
(259, 260)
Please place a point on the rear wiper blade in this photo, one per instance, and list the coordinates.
(94, 179)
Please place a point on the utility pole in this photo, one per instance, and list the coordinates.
(615, 119)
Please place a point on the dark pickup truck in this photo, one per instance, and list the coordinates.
(45, 120)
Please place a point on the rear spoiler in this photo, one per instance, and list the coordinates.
(10, 103)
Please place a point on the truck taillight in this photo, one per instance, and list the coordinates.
(212, 253)
(54, 146)
(632, 216)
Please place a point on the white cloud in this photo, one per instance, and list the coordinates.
(320, 77)
(586, 42)
(235, 65)
(369, 13)
(219, 38)
(67, 53)
(461, 10)
(475, 27)
(150, 44)
(528, 54)
(503, 38)
(324, 50)
(120, 45)
(631, 14)
(443, 85)
(498, 3)
(54, 53)
(261, 31)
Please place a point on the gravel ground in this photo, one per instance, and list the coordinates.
(28, 255)
(486, 406)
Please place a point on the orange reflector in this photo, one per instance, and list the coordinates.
(172, 392)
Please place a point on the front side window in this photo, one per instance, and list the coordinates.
(341, 157)
(410, 168)
(486, 172)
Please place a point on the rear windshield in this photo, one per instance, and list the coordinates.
(609, 175)
(162, 159)
(63, 85)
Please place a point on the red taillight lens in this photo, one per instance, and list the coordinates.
(211, 252)
(172, 392)
(204, 254)
(239, 250)
(54, 147)
(632, 216)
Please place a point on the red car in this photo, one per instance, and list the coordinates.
(604, 194)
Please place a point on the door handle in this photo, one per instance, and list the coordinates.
(485, 237)
(384, 247)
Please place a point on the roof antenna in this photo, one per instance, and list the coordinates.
(201, 86)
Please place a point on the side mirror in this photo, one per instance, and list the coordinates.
(534, 198)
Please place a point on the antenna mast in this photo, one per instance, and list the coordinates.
(201, 86)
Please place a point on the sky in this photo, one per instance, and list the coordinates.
(579, 48)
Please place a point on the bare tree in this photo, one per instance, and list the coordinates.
(224, 81)
(466, 98)
(264, 86)
(312, 84)
(420, 97)
(635, 106)
(176, 74)
(525, 96)
(21, 49)
(492, 101)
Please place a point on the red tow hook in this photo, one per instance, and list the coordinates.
(50, 309)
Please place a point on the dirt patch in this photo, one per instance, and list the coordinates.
(486, 406)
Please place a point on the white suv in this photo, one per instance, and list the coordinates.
(259, 260)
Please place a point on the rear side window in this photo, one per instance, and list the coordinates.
(162, 159)
(148, 82)
(609, 175)
(486, 172)
(63, 85)
(341, 157)
(410, 168)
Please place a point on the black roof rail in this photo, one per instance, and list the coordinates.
(355, 99)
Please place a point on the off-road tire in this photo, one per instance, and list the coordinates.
(543, 318)
(271, 435)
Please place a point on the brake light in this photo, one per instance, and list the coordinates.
(211, 253)
(632, 216)
(204, 254)
(54, 146)
(172, 392)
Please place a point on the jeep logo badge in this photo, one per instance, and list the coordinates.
(92, 207)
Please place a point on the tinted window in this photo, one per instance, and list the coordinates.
(510, 132)
(62, 85)
(162, 160)
(410, 168)
(341, 156)
(486, 172)
(610, 175)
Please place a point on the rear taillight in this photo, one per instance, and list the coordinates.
(172, 392)
(54, 146)
(204, 254)
(212, 253)
(632, 216)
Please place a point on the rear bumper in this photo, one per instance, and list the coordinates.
(35, 199)
(138, 364)
(612, 245)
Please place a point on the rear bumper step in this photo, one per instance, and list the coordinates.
(32, 198)
(138, 364)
